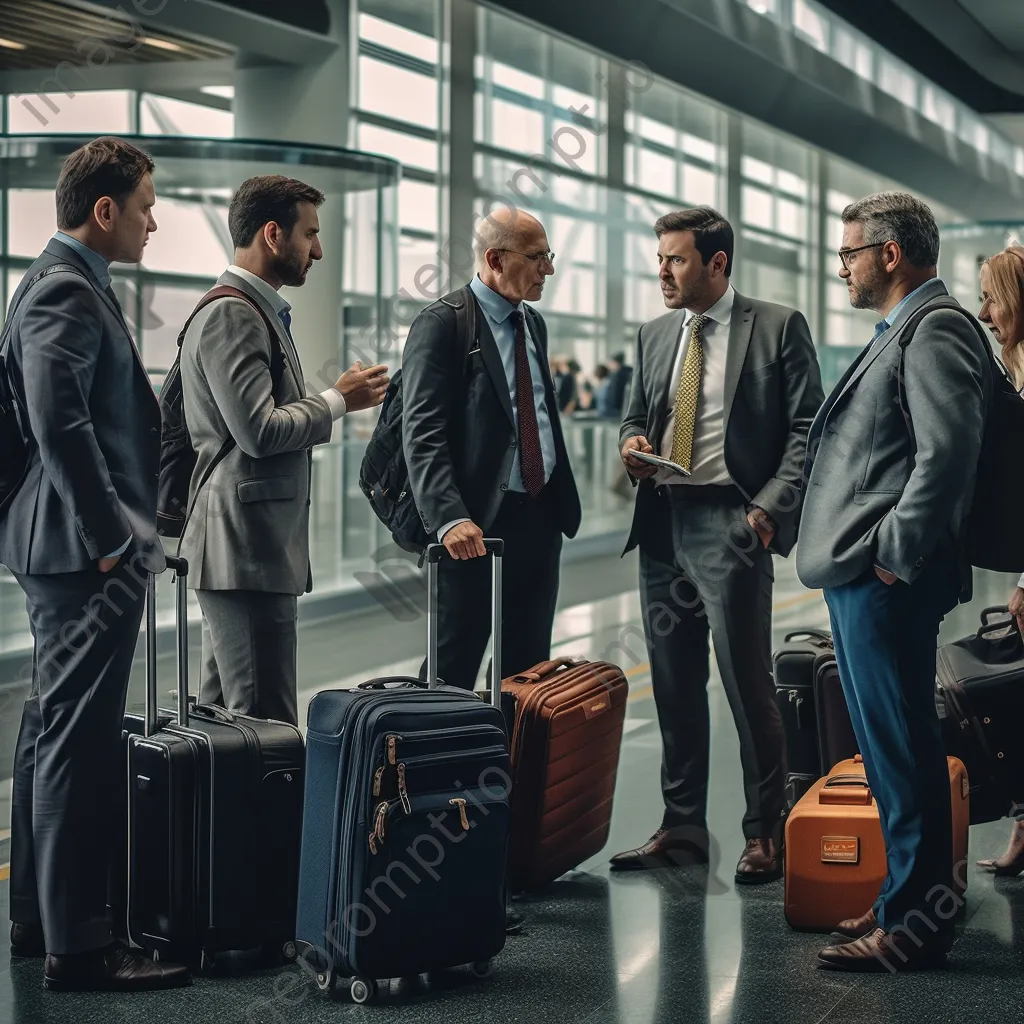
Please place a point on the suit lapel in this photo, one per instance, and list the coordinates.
(492, 361)
(741, 327)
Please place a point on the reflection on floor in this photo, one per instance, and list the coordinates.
(657, 948)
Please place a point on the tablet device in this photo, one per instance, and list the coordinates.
(657, 460)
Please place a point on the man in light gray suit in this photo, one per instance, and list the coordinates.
(80, 537)
(725, 387)
(253, 428)
(891, 465)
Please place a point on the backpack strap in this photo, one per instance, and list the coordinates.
(463, 301)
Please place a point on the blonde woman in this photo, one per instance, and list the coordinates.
(1002, 310)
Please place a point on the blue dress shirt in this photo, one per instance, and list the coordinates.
(100, 269)
(497, 309)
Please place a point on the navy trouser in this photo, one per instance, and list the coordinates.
(885, 640)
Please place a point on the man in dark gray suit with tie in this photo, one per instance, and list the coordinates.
(80, 537)
(253, 427)
(891, 468)
(724, 387)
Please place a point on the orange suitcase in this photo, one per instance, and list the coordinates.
(835, 857)
(569, 716)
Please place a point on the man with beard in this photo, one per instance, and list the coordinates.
(891, 467)
(725, 388)
(253, 428)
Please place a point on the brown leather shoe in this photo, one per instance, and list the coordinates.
(1011, 863)
(878, 951)
(760, 863)
(855, 927)
(27, 941)
(666, 848)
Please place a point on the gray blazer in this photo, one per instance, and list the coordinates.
(870, 499)
(772, 391)
(250, 526)
(94, 423)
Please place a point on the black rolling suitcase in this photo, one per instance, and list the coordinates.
(214, 823)
(980, 682)
(815, 717)
(406, 825)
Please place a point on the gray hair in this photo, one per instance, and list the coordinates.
(491, 233)
(898, 217)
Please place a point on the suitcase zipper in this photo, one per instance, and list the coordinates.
(378, 777)
(403, 793)
(461, 804)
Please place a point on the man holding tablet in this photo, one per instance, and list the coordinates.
(724, 392)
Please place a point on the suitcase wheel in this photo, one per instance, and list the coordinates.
(325, 981)
(482, 969)
(362, 990)
(289, 951)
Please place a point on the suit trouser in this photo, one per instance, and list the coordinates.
(250, 646)
(885, 639)
(85, 627)
(715, 578)
(529, 593)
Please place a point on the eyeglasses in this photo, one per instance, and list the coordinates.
(845, 254)
(533, 257)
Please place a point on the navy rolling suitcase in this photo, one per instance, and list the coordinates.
(406, 823)
(214, 822)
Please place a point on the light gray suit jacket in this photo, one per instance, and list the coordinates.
(772, 391)
(250, 526)
(870, 500)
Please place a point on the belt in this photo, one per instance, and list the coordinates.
(706, 494)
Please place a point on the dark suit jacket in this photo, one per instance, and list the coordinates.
(457, 423)
(94, 423)
(772, 392)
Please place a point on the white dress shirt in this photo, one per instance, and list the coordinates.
(332, 396)
(708, 466)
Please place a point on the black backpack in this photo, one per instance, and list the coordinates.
(15, 440)
(994, 537)
(177, 455)
(383, 474)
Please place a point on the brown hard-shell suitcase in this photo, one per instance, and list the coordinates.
(835, 856)
(569, 716)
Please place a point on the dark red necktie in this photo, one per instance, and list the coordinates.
(531, 460)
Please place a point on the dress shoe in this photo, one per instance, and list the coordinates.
(114, 969)
(855, 927)
(879, 951)
(27, 941)
(1011, 863)
(760, 863)
(666, 848)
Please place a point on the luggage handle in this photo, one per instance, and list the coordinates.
(846, 780)
(433, 554)
(384, 682)
(179, 566)
(995, 609)
(545, 668)
(814, 634)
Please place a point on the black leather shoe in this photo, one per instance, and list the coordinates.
(27, 941)
(114, 969)
(666, 848)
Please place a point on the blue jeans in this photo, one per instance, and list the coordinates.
(885, 640)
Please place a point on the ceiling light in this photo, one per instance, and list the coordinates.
(10, 44)
(164, 44)
(226, 92)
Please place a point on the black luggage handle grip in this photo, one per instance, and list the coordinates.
(210, 711)
(816, 634)
(492, 545)
(384, 682)
(177, 565)
(846, 780)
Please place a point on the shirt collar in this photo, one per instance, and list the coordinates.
(916, 293)
(720, 312)
(496, 306)
(278, 304)
(97, 264)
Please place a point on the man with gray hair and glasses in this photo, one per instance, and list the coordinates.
(891, 467)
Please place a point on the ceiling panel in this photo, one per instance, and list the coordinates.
(1004, 20)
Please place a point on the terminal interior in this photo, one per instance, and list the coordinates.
(416, 118)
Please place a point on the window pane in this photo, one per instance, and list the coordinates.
(395, 92)
(757, 207)
(811, 25)
(191, 238)
(516, 80)
(164, 116)
(516, 127)
(417, 206)
(409, 149)
(757, 170)
(31, 221)
(789, 218)
(700, 187)
(654, 172)
(105, 112)
(416, 274)
(575, 148)
(394, 37)
(165, 309)
(898, 82)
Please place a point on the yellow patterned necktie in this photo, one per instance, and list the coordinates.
(687, 395)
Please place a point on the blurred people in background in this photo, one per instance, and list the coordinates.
(563, 379)
(620, 376)
(1002, 311)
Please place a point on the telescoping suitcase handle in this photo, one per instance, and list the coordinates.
(179, 566)
(434, 553)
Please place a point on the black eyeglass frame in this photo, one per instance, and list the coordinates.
(843, 253)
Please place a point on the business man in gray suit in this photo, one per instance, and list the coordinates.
(80, 537)
(725, 387)
(882, 523)
(253, 427)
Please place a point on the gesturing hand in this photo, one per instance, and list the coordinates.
(363, 388)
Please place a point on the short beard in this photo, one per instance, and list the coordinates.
(871, 294)
(291, 269)
(693, 296)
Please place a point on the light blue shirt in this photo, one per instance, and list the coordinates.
(883, 325)
(497, 309)
(100, 269)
